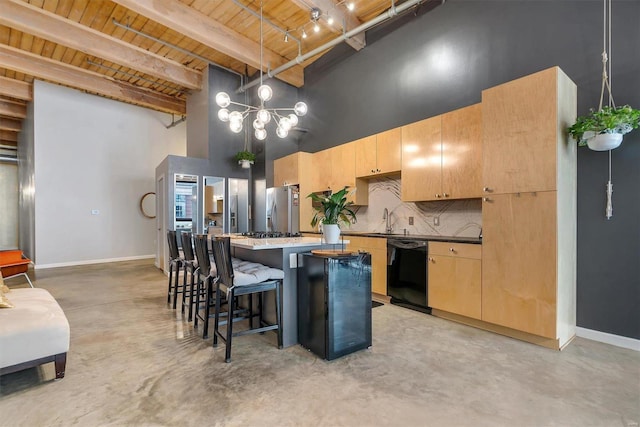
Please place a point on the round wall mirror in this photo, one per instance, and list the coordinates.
(148, 205)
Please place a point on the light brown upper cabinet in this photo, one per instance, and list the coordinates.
(334, 168)
(521, 134)
(422, 160)
(287, 170)
(379, 155)
(442, 156)
(321, 169)
(462, 153)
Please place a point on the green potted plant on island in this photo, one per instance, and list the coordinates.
(332, 211)
(245, 158)
(603, 129)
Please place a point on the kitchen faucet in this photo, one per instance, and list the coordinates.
(387, 216)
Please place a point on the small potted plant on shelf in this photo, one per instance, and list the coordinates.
(603, 129)
(332, 211)
(245, 158)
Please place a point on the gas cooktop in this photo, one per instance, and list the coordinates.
(269, 234)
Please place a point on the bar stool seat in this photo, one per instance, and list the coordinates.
(227, 284)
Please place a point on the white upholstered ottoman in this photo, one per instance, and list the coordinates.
(33, 332)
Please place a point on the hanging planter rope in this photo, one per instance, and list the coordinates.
(603, 130)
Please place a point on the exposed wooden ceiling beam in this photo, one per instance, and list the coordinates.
(58, 72)
(7, 143)
(15, 89)
(12, 109)
(11, 125)
(198, 26)
(49, 26)
(10, 136)
(340, 17)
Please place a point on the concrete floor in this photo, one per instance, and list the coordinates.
(133, 361)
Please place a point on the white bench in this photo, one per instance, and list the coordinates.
(33, 332)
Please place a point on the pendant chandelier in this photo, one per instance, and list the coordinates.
(284, 122)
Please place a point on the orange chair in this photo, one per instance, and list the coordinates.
(13, 263)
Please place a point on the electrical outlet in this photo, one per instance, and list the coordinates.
(410, 220)
(293, 260)
(436, 221)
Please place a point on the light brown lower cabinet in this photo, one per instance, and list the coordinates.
(455, 278)
(377, 247)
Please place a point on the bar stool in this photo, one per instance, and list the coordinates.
(174, 261)
(207, 276)
(222, 256)
(190, 270)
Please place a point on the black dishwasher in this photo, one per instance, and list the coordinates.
(407, 273)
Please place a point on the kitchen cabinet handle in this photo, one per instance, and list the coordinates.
(377, 170)
(431, 259)
(487, 190)
(438, 196)
(445, 194)
(486, 199)
(372, 171)
(452, 250)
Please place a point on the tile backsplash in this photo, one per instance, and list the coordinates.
(462, 218)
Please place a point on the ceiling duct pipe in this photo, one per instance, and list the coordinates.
(390, 13)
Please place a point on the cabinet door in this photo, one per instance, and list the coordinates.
(285, 170)
(321, 171)
(343, 164)
(377, 247)
(455, 285)
(365, 156)
(520, 128)
(519, 262)
(422, 160)
(389, 151)
(462, 153)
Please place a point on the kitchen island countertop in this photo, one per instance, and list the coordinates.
(279, 242)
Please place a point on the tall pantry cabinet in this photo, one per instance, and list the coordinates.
(529, 207)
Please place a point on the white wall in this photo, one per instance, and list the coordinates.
(92, 153)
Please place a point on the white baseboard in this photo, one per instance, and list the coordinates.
(617, 340)
(91, 261)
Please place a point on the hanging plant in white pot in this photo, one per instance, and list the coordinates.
(332, 211)
(245, 158)
(602, 130)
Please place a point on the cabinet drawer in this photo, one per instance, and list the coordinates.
(460, 250)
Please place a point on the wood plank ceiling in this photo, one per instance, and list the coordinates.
(152, 52)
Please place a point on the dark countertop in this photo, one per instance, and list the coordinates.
(434, 238)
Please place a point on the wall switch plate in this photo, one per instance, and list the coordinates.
(95, 211)
(410, 220)
(436, 220)
(293, 260)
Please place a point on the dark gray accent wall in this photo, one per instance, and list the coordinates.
(441, 60)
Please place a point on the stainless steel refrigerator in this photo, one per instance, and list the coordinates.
(283, 209)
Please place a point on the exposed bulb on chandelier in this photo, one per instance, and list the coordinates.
(265, 93)
(263, 115)
(223, 114)
(294, 120)
(285, 124)
(258, 124)
(282, 133)
(300, 108)
(235, 126)
(261, 134)
(222, 99)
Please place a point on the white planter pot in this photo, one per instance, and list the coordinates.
(246, 164)
(331, 233)
(605, 141)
